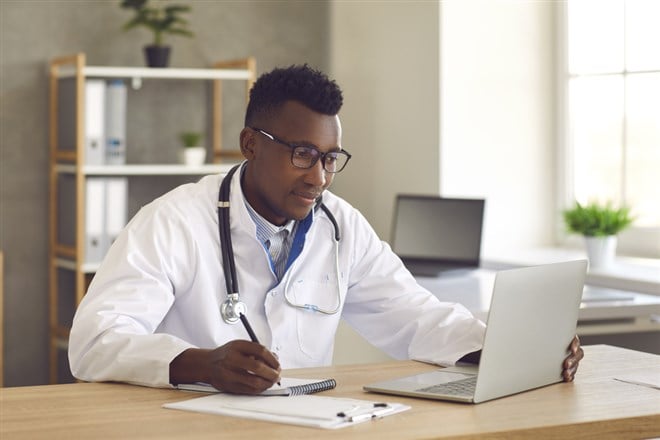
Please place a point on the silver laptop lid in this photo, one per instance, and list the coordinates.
(532, 319)
(438, 229)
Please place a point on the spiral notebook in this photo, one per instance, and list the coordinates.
(288, 387)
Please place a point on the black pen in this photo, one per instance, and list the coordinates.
(253, 337)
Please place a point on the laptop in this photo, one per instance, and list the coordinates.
(437, 235)
(532, 320)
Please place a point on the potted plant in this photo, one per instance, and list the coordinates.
(160, 20)
(599, 224)
(192, 153)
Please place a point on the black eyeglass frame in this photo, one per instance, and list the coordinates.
(320, 155)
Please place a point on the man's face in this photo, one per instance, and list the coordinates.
(273, 186)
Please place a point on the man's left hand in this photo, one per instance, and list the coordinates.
(572, 361)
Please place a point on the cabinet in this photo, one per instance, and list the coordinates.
(70, 173)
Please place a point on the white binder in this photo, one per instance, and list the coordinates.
(95, 121)
(95, 205)
(116, 208)
(115, 123)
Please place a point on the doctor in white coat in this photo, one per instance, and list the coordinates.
(153, 314)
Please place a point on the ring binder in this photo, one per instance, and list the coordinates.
(310, 388)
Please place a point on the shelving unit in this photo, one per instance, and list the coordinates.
(68, 161)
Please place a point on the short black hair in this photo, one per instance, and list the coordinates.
(301, 83)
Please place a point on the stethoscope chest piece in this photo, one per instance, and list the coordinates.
(232, 309)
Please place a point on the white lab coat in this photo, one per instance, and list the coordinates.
(159, 291)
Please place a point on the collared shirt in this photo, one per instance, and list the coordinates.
(277, 240)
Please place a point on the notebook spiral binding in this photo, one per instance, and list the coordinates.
(310, 388)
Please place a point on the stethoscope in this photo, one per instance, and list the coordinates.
(233, 307)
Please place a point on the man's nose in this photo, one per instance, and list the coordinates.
(316, 175)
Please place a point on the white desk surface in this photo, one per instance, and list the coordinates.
(602, 310)
(627, 273)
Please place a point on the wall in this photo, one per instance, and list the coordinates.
(496, 64)
(498, 116)
(385, 55)
(33, 32)
(489, 134)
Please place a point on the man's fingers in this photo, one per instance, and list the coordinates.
(244, 367)
(258, 351)
(575, 344)
(571, 362)
(238, 380)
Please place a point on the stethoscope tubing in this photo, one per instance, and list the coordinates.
(232, 303)
(228, 262)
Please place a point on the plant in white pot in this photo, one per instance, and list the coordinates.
(160, 20)
(599, 224)
(193, 152)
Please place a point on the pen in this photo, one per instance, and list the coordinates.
(253, 337)
(361, 415)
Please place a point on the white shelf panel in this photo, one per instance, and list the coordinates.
(146, 170)
(155, 72)
(64, 263)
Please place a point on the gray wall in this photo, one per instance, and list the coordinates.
(389, 70)
(33, 32)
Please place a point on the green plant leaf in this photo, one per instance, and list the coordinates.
(191, 138)
(159, 20)
(593, 220)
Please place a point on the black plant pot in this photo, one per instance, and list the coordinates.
(157, 56)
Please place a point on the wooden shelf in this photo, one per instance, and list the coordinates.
(69, 175)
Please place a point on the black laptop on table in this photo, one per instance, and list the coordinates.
(437, 235)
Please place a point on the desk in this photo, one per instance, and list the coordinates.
(627, 273)
(603, 311)
(595, 405)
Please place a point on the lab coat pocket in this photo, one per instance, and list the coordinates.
(316, 323)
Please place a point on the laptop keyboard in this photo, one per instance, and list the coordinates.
(463, 387)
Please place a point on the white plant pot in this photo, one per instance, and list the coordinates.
(601, 250)
(193, 156)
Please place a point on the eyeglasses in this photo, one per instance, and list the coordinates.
(306, 156)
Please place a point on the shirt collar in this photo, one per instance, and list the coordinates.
(265, 229)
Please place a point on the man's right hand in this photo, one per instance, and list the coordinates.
(239, 366)
(243, 367)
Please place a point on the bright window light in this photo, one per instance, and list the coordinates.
(613, 106)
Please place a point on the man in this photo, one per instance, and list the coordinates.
(154, 313)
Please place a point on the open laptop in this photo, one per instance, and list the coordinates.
(435, 235)
(531, 322)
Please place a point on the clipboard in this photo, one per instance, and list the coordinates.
(305, 410)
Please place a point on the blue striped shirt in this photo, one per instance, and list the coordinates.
(277, 240)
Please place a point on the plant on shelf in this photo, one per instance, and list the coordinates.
(191, 139)
(160, 20)
(193, 152)
(599, 224)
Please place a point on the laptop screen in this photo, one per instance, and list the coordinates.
(438, 229)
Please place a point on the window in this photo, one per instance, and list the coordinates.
(612, 111)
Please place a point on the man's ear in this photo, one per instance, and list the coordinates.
(247, 143)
